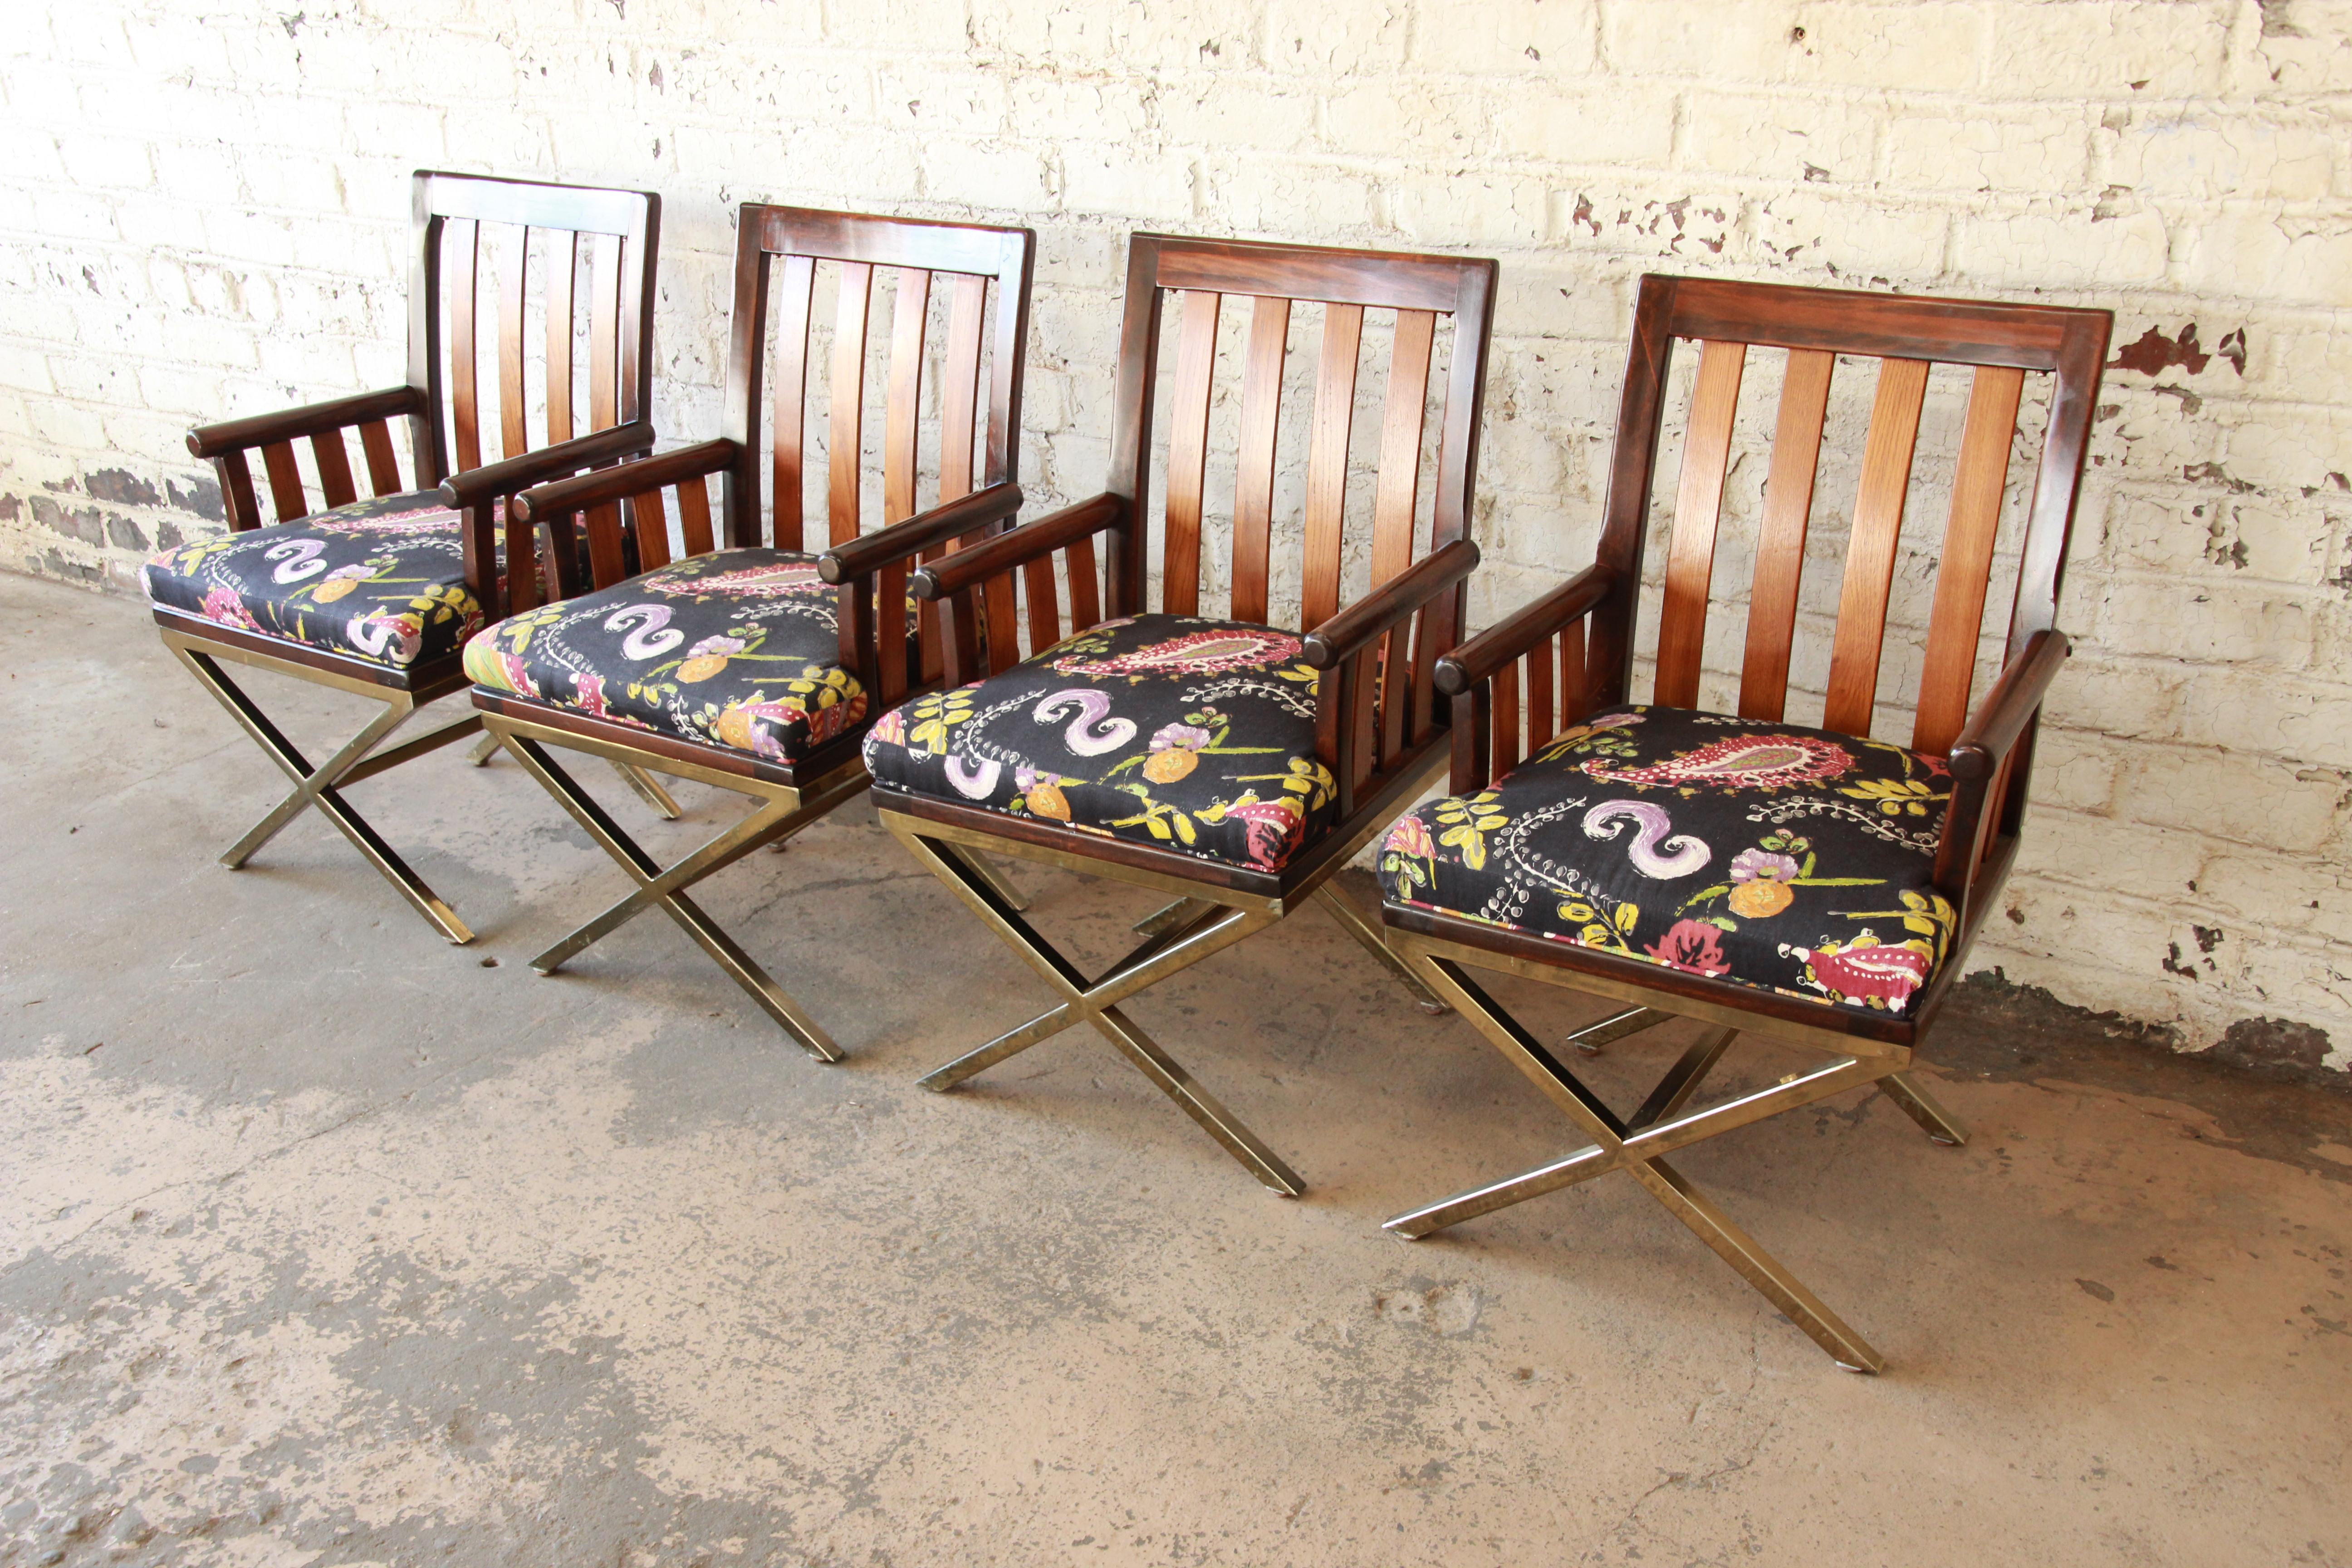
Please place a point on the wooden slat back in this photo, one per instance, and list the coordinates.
(1400, 425)
(603, 334)
(1870, 549)
(513, 434)
(844, 435)
(563, 268)
(1188, 452)
(464, 350)
(906, 321)
(795, 283)
(1269, 341)
(1781, 536)
(1690, 560)
(1906, 334)
(450, 215)
(1326, 462)
(1406, 296)
(1961, 582)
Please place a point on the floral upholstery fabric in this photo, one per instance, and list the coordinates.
(1190, 735)
(1791, 859)
(382, 579)
(737, 648)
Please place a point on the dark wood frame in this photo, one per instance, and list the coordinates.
(433, 397)
(1378, 737)
(1579, 641)
(868, 569)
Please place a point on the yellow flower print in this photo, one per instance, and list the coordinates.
(1467, 823)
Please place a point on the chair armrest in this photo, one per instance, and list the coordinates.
(311, 419)
(1352, 628)
(902, 540)
(2011, 704)
(1038, 537)
(492, 480)
(625, 479)
(1513, 637)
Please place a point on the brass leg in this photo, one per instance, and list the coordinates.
(1923, 1107)
(666, 888)
(1351, 920)
(1166, 916)
(1590, 1039)
(1638, 1144)
(991, 873)
(315, 787)
(649, 790)
(484, 750)
(1211, 928)
(1755, 1265)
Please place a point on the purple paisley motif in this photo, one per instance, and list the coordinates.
(1687, 854)
(976, 782)
(1092, 732)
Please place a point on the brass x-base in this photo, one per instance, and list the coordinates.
(782, 811)
(1638, 1143)
(319, 787)
(1202, 920)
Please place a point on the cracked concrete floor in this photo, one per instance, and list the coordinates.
(327, 1243)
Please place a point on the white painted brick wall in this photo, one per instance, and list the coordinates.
(203, 214)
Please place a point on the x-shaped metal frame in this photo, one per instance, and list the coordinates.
(318, 787)
(1201, 921)
(1638, 1143)
(782, 811)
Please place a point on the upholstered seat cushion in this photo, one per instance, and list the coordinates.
(1185, 735)
(737, 648)
(381, 580)
(1792, 860)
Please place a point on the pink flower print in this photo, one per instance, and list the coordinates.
(589, 693)
(222, 606)
(1269, 829)
(1690, 946)
(1749, 865)
(1411, 836)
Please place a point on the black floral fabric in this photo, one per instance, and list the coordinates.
(1791, 859)
(382, 579)
(1192, 735)
(737, 648)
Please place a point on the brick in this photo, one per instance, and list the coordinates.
(2297, 259)
(2047, 152)
(1548, 37)
(1612, 126)
(2221, 794)
(2218, 155)
(1793, 137)
(2112, 50)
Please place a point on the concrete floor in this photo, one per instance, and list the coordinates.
(328, 1243)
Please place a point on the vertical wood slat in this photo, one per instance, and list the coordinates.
(237, 491)
(1781, 536)
(465, 392)
(1505, 721)
(960, 416)
(794, 285)
(285, 481)
(1188, 452)
(1541, 726)
(1361, 689)
(382, 465)
(1574, 699)
(842, 438)
(562, 265)
(1406, 412)
(1085, 579)
(909, 312)
(1870, 554)
(604, 333)
(1966, 574)
(514, 439)
(1699, 503)
(649, 523)
(608, 564)
(959, 428)
(694, 517)
(1396, 691)
(1269, 340)
(334, 467)
(1326, 464)
(1044, 607)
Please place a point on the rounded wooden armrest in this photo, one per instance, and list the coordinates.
(640, 477)
(514, 475)
(311, 419)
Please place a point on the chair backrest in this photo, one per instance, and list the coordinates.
(960, 289)
(1905, 335)
(1416, 292)
(476, 232)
